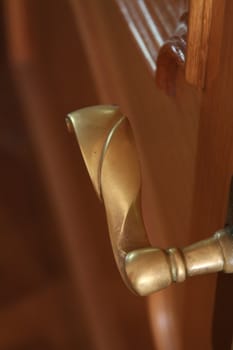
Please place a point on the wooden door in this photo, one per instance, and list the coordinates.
(185, 151)
(175, 88)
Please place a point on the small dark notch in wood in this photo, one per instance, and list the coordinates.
(229, 216)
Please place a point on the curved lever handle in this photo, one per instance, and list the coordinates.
(108, 148)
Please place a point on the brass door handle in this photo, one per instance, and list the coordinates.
(108, 148)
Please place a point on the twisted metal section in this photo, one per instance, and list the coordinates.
(109, 151)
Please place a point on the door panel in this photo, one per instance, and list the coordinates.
(185, 181)
(166, 134)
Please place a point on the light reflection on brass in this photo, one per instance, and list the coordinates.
(109, 151)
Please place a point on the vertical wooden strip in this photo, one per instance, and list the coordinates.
(198, 39)
(213, 172)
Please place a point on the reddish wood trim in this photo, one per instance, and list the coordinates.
(152, 23)
(172, 56)
(198, 40)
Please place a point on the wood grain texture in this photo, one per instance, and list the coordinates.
(214, 162)
(200, 17)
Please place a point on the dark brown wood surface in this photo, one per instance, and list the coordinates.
(52, 77)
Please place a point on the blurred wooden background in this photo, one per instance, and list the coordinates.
(59, 284)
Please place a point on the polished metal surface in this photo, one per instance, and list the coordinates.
(109, 151)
